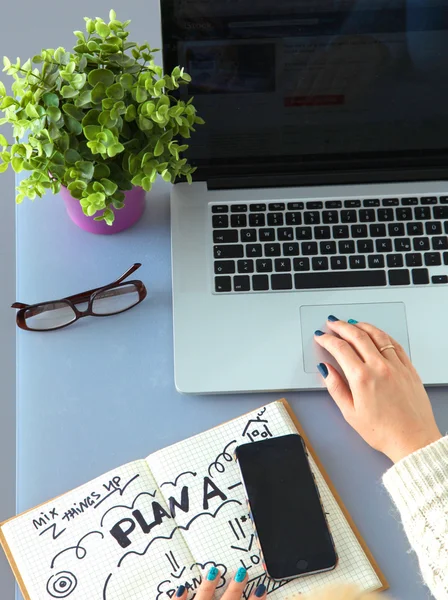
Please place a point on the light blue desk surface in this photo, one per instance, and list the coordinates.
(101, 392)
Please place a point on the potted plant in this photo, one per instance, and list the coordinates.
(98, 124)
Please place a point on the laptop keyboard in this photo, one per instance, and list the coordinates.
(284, 246)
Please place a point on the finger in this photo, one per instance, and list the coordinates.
(380, 339)
(259, 592)
(236, 586)
(208, 586)
(402, 354)
(337, 388)
(359, 339)
(181, 592)
(341, 350)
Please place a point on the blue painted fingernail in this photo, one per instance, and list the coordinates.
(240, 575)
(332, 318)
(212, 574)
(260, 591)
(318, 332)
(352, 321)
(323, 370)
(180, 591)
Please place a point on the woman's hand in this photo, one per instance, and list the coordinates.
(234, 590)
(385, 401)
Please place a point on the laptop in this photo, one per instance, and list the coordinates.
(321, 185)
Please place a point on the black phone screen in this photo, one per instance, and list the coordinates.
(286, 508)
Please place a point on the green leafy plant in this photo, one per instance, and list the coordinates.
(98, 120)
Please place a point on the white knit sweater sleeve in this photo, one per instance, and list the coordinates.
(418, 485)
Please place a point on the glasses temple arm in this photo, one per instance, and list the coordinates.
(84, 296)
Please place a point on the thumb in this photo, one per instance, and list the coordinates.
(337, 388)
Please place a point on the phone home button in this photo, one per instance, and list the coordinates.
(302, 565)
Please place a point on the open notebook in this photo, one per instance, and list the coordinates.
(140, 531)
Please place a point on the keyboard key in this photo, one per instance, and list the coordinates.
(223, 284)
(414, 259)
(230, 251)
(390, 202)
(377, 230)
(309, 248)
(421, 243)
(312, 218)
(275, 218)
(371, 203)
(238, 220)
(446, 227)
(320, 263)
(253, 250)
(260, 283)
(314, 205)
(399, 277)
(443, 199)
(281, 282)
(328, 248)
(367, 215)
(339, 279)
(439, 279)
(267, 235)
(352, 203)
(396, 229)
(364, 246)
(445, 258)
(264, 265)
(330, 216)
(238, 208)
(414, 228)
(433, 228)
(272, 250)
(257, 220)
(349, 216)
(341, 232)
(291, 249)
(338, 263)
(220, 221)
(285, 234)
(322, 233)
(304, 233)
(276, 206)
(422, 213)
(248, 235)
(428, 200)
(257, 207)
(376, 261)
(220, 208)
(282, 265)
(347, 247)
(404, 214)
(385, 214)
(241, 283)
(383, 245)
(293, 218)
(295, 206)
(359, 231)
(420, 276)
(402, 245)
(357, 262)
(301, 264)
(225, 237)
(433, 259)
(245, 266)
(440, 212)
(394, 261)
(224, 267)
(333, 204)
(440, 243)
(409, 201)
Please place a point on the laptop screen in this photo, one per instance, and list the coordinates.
(288, 82)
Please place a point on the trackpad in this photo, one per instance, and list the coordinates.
(389, 316)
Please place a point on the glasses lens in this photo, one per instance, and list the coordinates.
(50, 315)
(115, 300)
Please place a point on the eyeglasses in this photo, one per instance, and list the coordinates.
(112, 299)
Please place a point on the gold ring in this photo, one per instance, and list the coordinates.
(388, 347)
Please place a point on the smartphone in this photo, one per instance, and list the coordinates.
(286, 509)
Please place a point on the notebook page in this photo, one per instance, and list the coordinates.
(217, 527)
(109, 539)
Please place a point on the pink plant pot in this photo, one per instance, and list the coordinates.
(134, 207)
